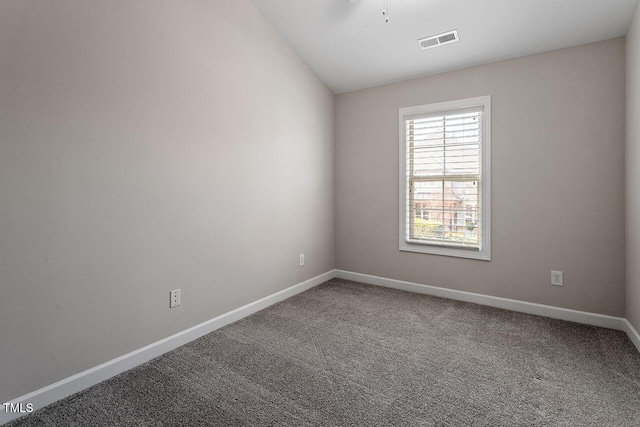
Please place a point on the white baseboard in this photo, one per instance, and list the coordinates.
(632, 333)
(68, 386)
(585, 317)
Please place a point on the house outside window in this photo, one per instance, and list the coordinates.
(445, 178)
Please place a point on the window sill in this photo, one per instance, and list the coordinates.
(483, 254)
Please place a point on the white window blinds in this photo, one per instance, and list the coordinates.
(444, 178)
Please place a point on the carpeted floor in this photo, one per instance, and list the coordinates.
(348, 354)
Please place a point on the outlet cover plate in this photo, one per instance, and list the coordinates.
(174, 298)
(556, 278)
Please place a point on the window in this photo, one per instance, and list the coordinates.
(445, 178)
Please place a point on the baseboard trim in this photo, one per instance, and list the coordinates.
(632, 333)
(78, 382)
(68, 386)
(584, 317)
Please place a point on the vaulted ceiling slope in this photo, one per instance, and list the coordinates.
(349, 45)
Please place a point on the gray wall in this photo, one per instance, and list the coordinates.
(633, 172)
(558, 180)
(145, 146)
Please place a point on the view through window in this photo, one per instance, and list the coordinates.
(443, 153)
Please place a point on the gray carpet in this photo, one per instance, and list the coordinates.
(348, 354)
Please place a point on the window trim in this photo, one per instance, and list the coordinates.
(484, 253)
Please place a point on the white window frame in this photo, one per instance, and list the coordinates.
(484, 252)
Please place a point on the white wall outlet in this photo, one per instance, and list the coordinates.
(174, 298)
(301, 260)
(556, 278)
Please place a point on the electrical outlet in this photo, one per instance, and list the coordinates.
(301, 260)
(556, 278)
(174, 298)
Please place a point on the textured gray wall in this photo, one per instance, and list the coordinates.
(633, 172)
(145, 146)
(558, 180)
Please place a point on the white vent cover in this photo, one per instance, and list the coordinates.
(439, 39)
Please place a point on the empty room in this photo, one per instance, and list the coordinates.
(319, 213)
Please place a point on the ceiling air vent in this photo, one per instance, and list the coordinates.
(439, 39)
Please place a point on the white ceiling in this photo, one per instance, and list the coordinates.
(349, 46)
